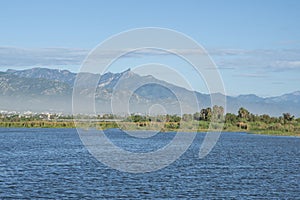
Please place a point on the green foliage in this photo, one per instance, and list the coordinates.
(231, 118)
(206, 114)
(188, 117)
(172, 126)
(287, 117)
(243, 113)
(197, 116)
(173, 118)
(199, 121)
(217, 113)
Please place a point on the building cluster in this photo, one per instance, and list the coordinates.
(30, 114)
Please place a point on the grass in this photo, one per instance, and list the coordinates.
(191, 126)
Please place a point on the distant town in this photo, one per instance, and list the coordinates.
(207, 119)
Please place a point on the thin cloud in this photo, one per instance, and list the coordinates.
(220, 68)
(226, 59)
(18, 57)
(286, 65)
(289, 42)
(228, 52)
(261, 59)
(278, 83)
(251, 75)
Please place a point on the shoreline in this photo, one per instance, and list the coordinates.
(110, 125)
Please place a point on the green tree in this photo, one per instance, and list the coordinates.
(218, 112)
(206, 114)
(197, 116)
(187, 117)
(265, 118)
(230, 118)
(287, 117)
(243, 113)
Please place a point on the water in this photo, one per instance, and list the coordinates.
(53, 163)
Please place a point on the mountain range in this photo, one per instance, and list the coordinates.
(43, 89)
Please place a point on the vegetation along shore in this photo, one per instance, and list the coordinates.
(213, 118)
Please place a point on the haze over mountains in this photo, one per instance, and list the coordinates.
(42, 89)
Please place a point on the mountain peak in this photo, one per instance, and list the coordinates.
(128, 70)
(10, 70)
(128, 73)
(296, 93)
(54, 82)
(248, 95)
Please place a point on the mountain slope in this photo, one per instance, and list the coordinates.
(64, 76)
(12, 85)
(53, 88)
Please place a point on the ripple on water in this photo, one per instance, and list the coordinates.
(53, 163)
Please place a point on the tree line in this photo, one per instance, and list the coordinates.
(242, 120)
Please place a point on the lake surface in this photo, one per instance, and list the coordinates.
(53, 163)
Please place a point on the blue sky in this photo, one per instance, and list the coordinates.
(255, 44)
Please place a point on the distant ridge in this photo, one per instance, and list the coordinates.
(51, 89)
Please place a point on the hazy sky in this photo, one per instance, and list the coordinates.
(255, 43)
